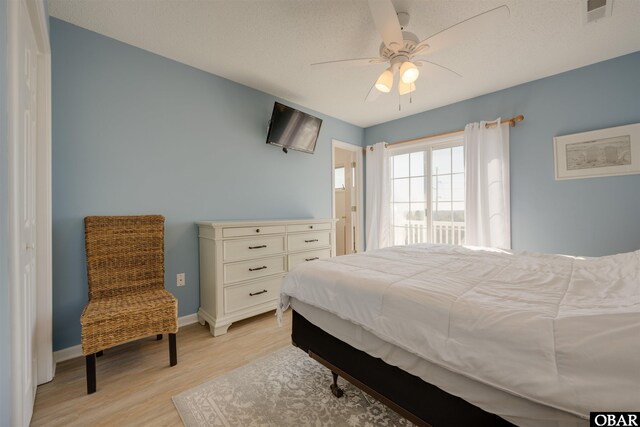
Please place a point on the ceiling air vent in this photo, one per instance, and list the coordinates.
(596, 9)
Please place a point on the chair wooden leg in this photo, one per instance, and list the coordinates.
(159, 337)
(91, 373)
(173, 353)
(100, 353)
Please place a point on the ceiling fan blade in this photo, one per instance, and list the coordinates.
(464, 30)
(354, 61)
(386, 21)
(373, 94)
(421, 62)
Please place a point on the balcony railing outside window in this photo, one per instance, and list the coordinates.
(444, 232)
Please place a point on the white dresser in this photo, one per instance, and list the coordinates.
(242, 264)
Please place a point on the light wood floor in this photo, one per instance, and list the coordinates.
(135, 382)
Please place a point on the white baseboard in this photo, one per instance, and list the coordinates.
(67, 353)
(76, 350)
(189, 319)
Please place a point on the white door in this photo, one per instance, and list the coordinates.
(339, 207)
(23, 137)
(350, 200)
(346, 164)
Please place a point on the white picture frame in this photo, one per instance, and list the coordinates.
(604, 152)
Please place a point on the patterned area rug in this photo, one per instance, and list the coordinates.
(286, 388)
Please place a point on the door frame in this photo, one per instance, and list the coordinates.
(357, 150)
(44, 236)
(43, 350)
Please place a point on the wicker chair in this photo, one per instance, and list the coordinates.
(127, 299)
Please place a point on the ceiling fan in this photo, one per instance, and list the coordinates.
(403, 50)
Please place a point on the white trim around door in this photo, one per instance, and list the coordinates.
(44, 302)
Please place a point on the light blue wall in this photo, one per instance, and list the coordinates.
(596, 216)
(137, 133)
(5, 335)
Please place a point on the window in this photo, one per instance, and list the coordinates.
(447, 200)
(427, 193)
(339, 178)
(409, 203)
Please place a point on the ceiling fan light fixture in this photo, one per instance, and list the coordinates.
(409, 72)
(405, 88)
(385, 81)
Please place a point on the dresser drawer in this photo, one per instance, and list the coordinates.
(296, 228)
(252, 247)
(302, 241)
(295, 259)
(250, 294)
(246, 270)
(253, 231)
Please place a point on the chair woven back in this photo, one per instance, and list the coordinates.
(125, 254)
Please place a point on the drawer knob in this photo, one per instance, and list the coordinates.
(257, 247)
(311, 226)
(257, 293)
(311, 259)
(258, 268)
(311, 241)
(257, 230)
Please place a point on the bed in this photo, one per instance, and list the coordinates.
(450, 333)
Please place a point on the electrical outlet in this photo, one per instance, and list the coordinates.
(180, 281)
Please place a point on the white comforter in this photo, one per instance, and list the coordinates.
(561, 331)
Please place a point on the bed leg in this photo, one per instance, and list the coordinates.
(335, 389)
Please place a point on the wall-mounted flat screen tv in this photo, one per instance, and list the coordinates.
(293, 129)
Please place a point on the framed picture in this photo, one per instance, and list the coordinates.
(604, 152)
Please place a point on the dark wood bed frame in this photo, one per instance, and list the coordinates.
(418, 401)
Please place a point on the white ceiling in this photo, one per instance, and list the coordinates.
(269, 44)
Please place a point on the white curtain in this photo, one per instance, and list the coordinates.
(488, 212)
(378, 197)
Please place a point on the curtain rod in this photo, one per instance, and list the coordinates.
(512, 122)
